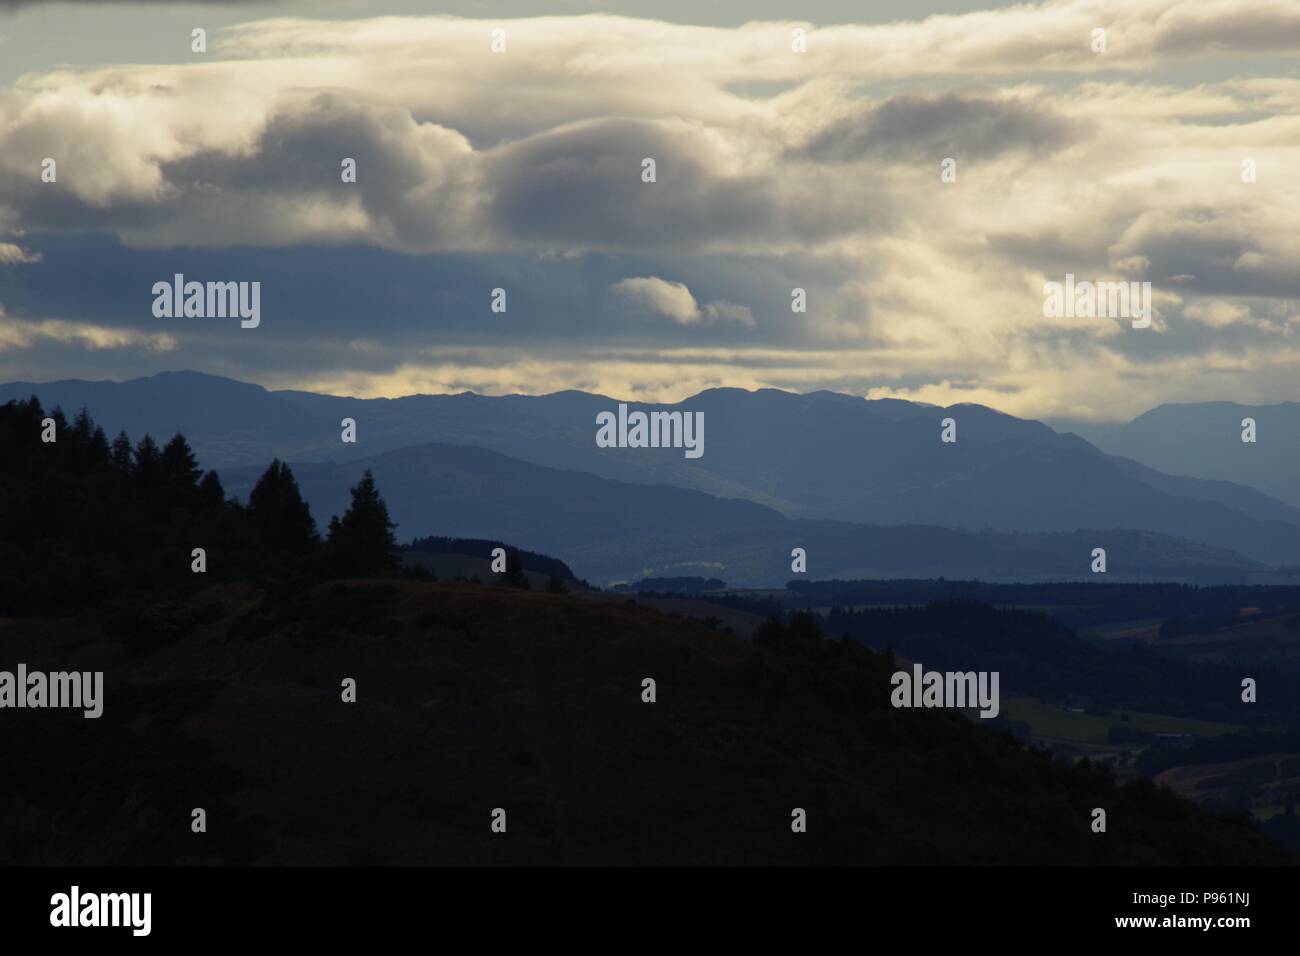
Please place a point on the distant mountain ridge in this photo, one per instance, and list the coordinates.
(820, 457)
(610, 531)
(1203, 439)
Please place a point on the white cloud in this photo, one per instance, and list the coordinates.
(17, 334)
(671, 299)
(13, 255)
(1223, 314)
(674, 300)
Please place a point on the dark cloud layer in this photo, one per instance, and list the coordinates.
(925, 127)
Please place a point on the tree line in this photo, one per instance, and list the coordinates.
(84, 518)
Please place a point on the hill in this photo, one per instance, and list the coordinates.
(1203, 440)
(610, 531)
(820, 456)
(318, 707)
(473, 698)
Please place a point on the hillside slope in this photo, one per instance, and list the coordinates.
(473, 698)
(1203, 439)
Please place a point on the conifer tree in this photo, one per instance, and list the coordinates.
(121, 454)
(99, 450)
(279, 512)
(179, 466)
(148, 462)
(362, 542)
(62, 428)
(82, 429)
(210, 490)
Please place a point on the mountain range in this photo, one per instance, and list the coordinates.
(866, 487)
(1204, 439)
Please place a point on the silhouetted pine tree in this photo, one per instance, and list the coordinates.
(83, 429)
(99, 450)
(147, 469)
(210, 490)
(62, 428)
(179, 466)
(282, 517)
(83, 523)
(121, 454)
(20, 429)
(361, 542)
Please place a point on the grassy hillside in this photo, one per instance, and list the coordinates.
(471, 698)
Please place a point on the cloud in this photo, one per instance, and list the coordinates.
(18, 334)
(12, 255)
(1021, 39)
(774, 170)
(671, 299)
(972, 124)
(17, 4)
(1222, 314)
(674, 301)
(541, 147)
(720, 310)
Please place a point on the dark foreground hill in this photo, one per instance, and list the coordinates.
(475, 698)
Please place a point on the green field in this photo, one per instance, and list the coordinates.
(1050, 722)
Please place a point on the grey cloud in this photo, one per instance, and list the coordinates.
(422, 188)
(415, 181)
(959, 124)
(581, 185)
(1223, 250)
(1263, 28)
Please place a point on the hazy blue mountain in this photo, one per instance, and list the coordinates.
(818, 456)
(1203, 440)
(610, 531)
(227, 422)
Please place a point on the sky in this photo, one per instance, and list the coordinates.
(776, 169)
